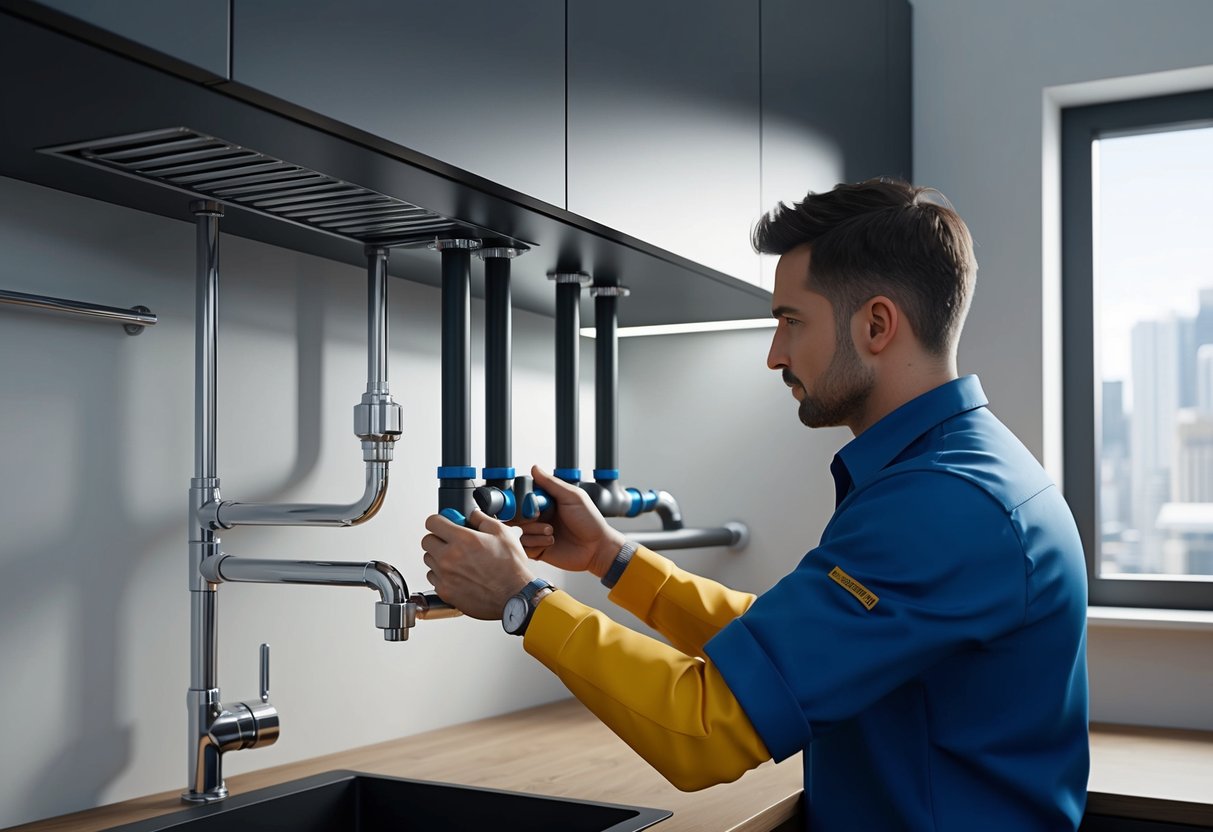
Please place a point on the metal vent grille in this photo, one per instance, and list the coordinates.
(202, 165)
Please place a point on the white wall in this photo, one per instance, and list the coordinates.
(96, 453)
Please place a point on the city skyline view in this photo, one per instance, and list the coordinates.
(1153, 301)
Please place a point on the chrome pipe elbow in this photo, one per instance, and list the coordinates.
(229, 513)
(395, 612)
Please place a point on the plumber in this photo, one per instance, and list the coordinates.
(928, 656)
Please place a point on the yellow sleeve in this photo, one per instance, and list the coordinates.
(675, 711)
(685, 608)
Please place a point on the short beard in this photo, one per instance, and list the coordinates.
(842, 391)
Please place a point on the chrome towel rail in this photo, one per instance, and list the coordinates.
(133, 320)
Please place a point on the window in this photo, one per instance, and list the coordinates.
(1137, 277)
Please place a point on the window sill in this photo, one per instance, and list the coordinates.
(1149, 619)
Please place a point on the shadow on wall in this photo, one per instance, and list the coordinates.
(89, 558)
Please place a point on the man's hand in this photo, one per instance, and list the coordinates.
(577, 539)
(477, 567)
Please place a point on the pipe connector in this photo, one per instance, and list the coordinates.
(606, 291)
(580, 278)
(441, 244)
(395, 619)
(378, 418)
(430, 607)
(502, 252)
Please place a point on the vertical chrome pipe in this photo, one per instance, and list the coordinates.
(206, 333)
(455, 475)
(204, 768)
(376, 355)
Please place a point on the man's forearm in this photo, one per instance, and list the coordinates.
(674, 710)
(685, 608)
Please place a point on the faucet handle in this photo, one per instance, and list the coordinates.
(265, 672)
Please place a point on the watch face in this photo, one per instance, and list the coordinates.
(514, 614)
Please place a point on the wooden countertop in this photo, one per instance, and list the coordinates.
(1136, 772)
(574, 756)
(1151, 774)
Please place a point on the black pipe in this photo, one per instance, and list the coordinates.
(568, 324)
(606, 382)
(455, 476)
(497, 366)
(502, 491)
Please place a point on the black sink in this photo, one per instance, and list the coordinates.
(349, 801)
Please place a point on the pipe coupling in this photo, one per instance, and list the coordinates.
(569, 277)
(444, 244)
(610, 291)
(395, 619)
(378, 419)
(502, 252)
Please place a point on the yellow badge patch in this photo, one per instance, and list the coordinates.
(861, 592)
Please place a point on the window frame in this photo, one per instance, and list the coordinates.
(1081, 416)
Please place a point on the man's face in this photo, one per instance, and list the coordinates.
(825, 373)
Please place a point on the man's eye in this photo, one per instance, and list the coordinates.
(790, 321)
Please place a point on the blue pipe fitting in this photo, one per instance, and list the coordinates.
(454, 516)
(603, 474)
(511, 505)
(641, 501)
(571, 475)
(498, 473)
(534, 504)
(456, 472)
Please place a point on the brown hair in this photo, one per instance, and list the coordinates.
(882, 237)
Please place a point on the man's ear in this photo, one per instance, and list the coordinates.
(879, 321)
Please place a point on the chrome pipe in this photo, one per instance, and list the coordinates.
(377, 422)
(430, 607)
(204, 764)
(379, 576)
(206, 335)
(229, 513)
(733, 535)
(133, 319)
(204, 646)
(376, 352)
(395, 613)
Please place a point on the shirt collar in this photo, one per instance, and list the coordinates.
(880, 444)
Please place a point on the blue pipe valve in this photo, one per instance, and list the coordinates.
(496, 502)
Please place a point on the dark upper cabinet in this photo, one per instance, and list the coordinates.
(663, 124)
(478, 84)
(195, 31)
(835, 96)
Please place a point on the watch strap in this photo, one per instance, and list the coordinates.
(620, 563)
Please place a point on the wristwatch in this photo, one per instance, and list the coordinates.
(519, 608)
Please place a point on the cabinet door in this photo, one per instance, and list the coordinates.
(196, 31)
(478, 84)
(835, 96)
(663, 124)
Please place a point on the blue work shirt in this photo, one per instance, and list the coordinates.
(929, 655)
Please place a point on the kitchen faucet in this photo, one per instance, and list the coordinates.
(215, 728)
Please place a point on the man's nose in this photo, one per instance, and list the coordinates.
(776, 356)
